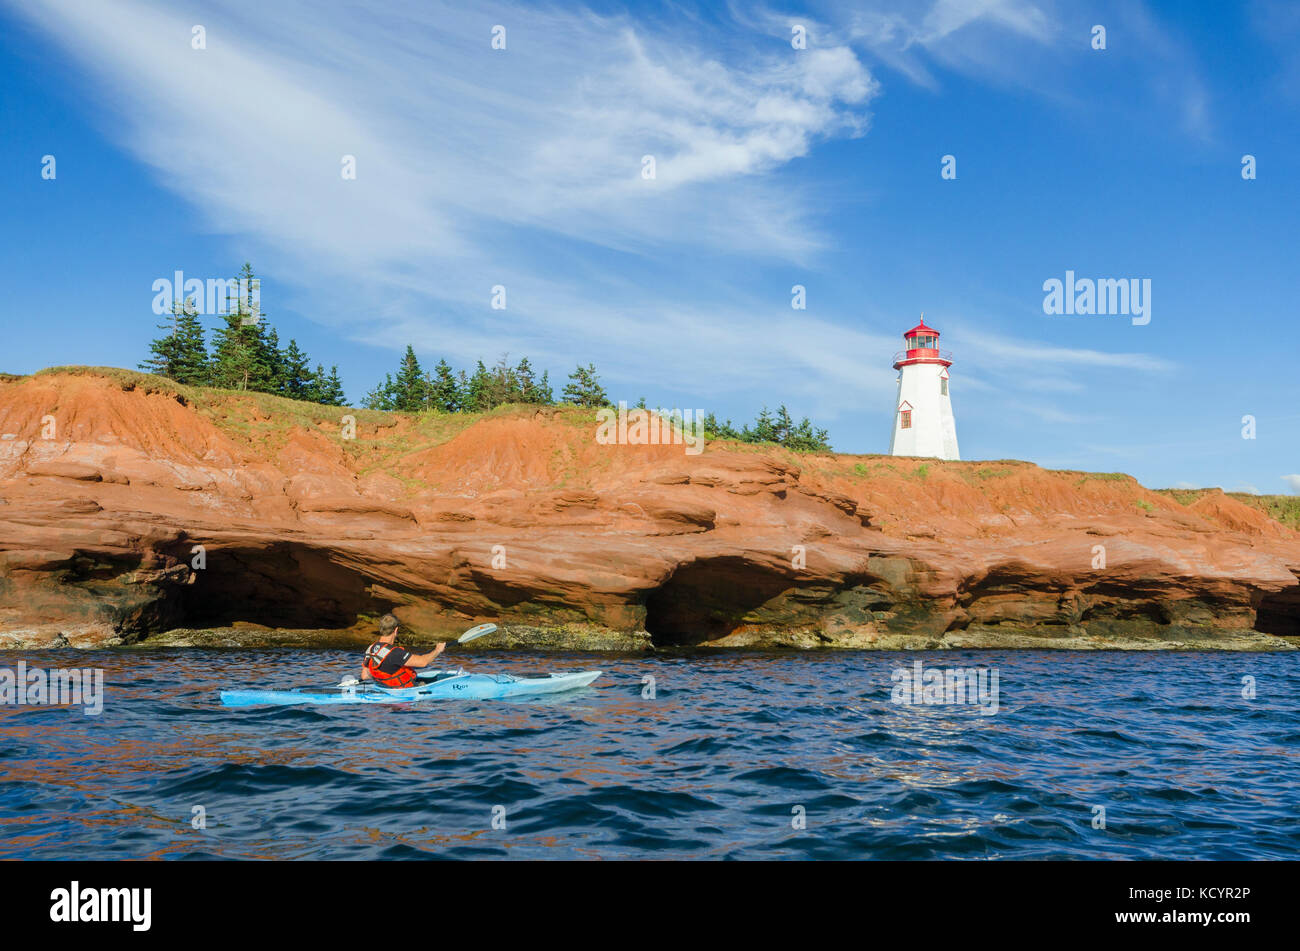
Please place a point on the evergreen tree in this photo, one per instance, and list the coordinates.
(408, 392)
(805, 438)
(330, 389)
(444, 392)
(235, 355)
(584, 389)
(297, 372)
(782, 425)
(241, 352)
(525, 384)
(503, 385)
(779, 429)
(274, 360)
(381, 397)
(716, 430)
(477, 390)
(763, 430)
(542, 391)
(181, 354)
(312, 391)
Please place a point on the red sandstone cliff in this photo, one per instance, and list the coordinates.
(109, 480)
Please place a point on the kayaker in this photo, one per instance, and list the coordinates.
(388, 663)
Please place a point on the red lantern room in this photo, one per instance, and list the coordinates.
(922, 347)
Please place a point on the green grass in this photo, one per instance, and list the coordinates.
(1280, 508)
(265, 422)
(127, 379)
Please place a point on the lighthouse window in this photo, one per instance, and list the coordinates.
(907, 419)
(943, 387)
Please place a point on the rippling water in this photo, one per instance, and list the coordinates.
(736, 756)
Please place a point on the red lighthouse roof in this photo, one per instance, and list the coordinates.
(922, 347)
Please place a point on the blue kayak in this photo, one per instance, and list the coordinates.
(435, 685)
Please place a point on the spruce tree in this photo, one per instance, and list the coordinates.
(584, 389)
(444, 392)
(180, 354)
(477, 390)
(716, 430)
(242, 354)
(234, 354)
(297, 372)
(409, 387)
(525, 384)
(273, 358)
(381, 397)
(503, 385)
(312, 390)
(542, 391)
(763, 431)
(330, 389)
(782, 425)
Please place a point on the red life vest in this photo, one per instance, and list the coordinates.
(375, 656)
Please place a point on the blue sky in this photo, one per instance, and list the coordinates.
(774, 166)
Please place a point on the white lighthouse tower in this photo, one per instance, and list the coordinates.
(923, 423)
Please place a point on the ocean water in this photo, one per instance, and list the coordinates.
(735, 756)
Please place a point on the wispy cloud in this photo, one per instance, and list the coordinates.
(996, 351)
(523, 167)
(453, 138)
(475, 166)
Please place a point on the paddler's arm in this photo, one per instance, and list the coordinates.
(424, 660)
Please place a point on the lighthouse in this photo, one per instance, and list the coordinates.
(923, 422)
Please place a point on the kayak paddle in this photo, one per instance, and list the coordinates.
(474, 633)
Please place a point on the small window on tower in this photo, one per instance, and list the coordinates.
(943, 387)
(907, 419)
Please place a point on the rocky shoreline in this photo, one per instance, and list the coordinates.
(586, 639)
(153, 515)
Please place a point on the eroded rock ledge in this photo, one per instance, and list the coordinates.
(154, 508)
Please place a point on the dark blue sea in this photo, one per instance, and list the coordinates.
(735, 756)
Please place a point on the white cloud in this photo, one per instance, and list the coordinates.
(997, 351)
(1293, 483)
(522, 167)
(453, 138)
(476, 166)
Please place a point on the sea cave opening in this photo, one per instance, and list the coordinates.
(708, 598)
(279, 585)
(1279, 612)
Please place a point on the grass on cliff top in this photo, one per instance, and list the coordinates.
(1280, 508)
(128, 380)
(265, 422)
(864, 468)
